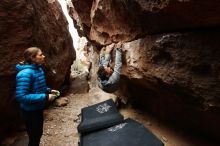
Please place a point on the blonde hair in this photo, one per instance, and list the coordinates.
(30, 53)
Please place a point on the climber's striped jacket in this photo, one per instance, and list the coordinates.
(112, 84)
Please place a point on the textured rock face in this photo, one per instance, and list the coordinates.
(176, 76)
(106, 21)
(31, 23)
(187, 60)
(173, 75)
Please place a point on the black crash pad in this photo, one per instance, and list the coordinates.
(127, 133)
(98, 116)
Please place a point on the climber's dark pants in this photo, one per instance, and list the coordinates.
(34, 125)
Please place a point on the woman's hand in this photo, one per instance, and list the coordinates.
(51, 97)
(55, 92)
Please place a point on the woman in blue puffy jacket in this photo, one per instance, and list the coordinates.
(32, 93)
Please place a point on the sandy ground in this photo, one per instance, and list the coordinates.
(61, 122)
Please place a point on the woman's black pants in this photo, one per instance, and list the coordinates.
(34, 125)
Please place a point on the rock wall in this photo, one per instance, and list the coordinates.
(106, 21)
(171, 56)
(176, 77)
(26, 23)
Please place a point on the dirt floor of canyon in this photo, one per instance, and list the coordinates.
(60, 125)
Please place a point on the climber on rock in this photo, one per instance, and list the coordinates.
(108, 77)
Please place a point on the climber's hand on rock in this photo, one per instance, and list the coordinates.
(109, 48)
(119, 45)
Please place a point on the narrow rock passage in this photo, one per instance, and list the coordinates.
(60, 127)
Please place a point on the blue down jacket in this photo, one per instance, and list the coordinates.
(31, 89)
